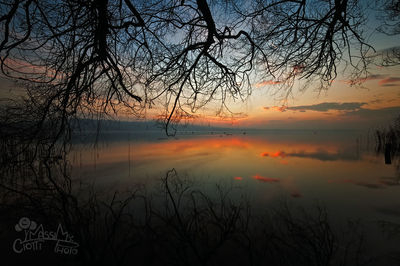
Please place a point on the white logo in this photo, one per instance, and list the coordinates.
(35, 236)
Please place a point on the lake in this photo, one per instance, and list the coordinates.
(232, 194)
(335, 168)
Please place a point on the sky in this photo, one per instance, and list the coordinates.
(374, 103)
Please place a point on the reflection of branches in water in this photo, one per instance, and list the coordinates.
(391, 230)
(387, 141)
(182, 225)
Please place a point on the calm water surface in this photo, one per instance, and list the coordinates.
(338, 170)
(335, 169)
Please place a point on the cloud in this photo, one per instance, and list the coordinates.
(358, 118)
(18, 67)
(320, 107)
(390, 81)
(320, 155)
(383, 113)
(265, 179)
(383, 80)
(328, 106)
(375, 101)
(267, 82)
(279, 108)
(323, 155)
(364, 79)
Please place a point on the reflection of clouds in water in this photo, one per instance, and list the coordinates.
(320, 154)
(390, 181)
(358, 183)
(296, 194)
(323, 155)
(382, 182)
(284, 162)
(265, 179)
(277, 154)
(369, 185)
(287, 183)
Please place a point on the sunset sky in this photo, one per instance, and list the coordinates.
(373, 103)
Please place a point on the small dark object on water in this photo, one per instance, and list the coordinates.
(388, 159)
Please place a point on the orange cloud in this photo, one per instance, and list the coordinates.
(389, 80)
(267, 82)
(279, 108)
(265, 179)
(276, 108)
(238, 178)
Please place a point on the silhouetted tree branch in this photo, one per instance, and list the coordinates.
(391, 26)
(81, 57)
